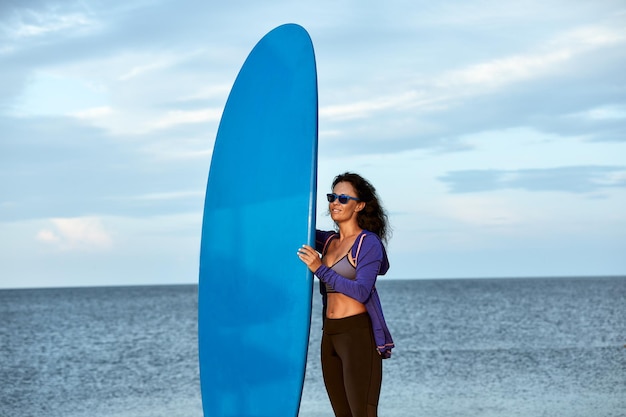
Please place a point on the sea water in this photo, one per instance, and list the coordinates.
(484, 347)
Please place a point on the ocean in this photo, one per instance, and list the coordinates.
(467, 348)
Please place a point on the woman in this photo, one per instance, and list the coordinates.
(355, 337)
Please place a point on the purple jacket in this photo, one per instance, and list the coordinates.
(371, 261)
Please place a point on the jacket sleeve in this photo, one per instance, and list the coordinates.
(368, 265)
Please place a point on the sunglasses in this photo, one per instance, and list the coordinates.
(343, 199)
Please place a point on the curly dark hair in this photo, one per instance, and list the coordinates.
(373, 217)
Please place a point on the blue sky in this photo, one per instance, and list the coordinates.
(495, 132)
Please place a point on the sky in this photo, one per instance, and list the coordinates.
(494, 132)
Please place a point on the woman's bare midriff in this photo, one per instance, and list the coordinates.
(339, 306)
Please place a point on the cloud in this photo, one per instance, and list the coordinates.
(28, 23)
(173, 118)
(170, 196)
(616, 112)
(145, 123)
(539, 84)
(391, 91)
(363, 109)
(46, 235)
(80, 233)
(92, 113)
(574, 179)
(548, 60)
(60, 167)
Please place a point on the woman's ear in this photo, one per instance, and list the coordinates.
(359, 206)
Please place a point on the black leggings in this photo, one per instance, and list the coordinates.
(351, 366)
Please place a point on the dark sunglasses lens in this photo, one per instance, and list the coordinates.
(331, 197)
(343, 199)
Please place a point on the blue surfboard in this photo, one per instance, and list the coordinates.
(254, 295)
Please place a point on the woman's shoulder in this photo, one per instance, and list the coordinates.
(370, 236)
(369, 244)
(322, 238)
(325, 234)
(367, 240)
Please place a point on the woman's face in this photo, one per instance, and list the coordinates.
(343, 212)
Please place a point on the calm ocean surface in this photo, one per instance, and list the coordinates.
(505, 348)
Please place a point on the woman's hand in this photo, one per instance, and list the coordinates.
(310, 257)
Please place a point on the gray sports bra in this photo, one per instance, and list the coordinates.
(344, 268)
